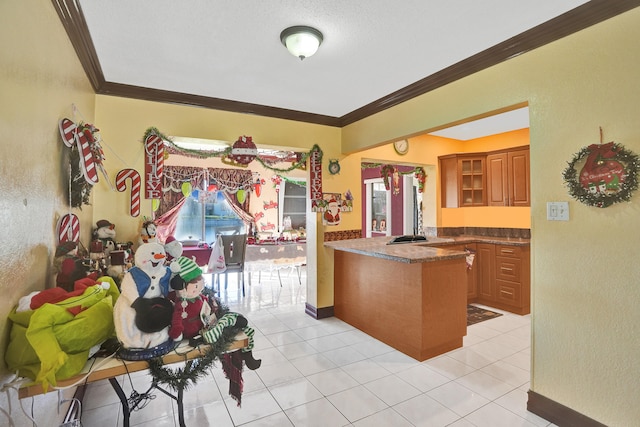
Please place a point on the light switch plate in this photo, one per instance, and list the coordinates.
(558, 211)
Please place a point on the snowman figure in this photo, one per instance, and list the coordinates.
(142, 313)
(105, 232)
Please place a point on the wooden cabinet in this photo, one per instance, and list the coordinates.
(463, 180)
(508, 178)
(499, 276)
(512, 279)
(503, 277)
(497, 178)
(485, 257)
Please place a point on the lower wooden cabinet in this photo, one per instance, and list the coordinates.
(499, 276)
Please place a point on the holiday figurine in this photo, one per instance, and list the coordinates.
(142, 314)
(173, 248)
(191, 312)
(69, 266)
(148, 232)
(193, 315)
(105, 232)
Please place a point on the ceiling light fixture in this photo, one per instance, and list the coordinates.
(301, 41)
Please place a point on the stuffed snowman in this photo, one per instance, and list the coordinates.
(142, 314)
(105, 232)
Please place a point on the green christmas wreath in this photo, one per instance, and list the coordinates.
(599, 160)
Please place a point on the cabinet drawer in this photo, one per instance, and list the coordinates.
(509, 293)
(509, 251)
(508, 268)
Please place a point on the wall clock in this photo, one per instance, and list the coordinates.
(334, 166)
(401, 147)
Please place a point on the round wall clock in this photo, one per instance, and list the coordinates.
(401, 146)
(334, 167)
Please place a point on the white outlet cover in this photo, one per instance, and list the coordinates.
(558, 211)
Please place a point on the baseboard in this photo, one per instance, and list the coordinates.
(318, 313)
(557, 413)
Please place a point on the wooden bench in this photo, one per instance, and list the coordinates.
(101, 368)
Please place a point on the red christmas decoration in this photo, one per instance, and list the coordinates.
(243, 151)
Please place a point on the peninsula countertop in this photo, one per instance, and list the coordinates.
(416, 252)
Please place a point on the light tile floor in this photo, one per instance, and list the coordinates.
(326, 373)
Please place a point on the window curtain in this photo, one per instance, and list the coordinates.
(166, 223)
(227, 180)
(173, 199)
(234, 179)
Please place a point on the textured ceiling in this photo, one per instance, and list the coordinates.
(375, 54)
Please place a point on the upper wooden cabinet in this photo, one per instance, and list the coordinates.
(497, 178)
(463, 180)
(508, 178)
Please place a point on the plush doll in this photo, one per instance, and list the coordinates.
(191, 312)
(142, 314)
(148, 232)
(69, 266)
(193, 315)
(173, 248)
(105, 232)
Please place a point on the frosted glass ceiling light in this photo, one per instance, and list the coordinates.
(301, 41)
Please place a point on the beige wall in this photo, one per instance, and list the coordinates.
(585, 281)
(40, 78)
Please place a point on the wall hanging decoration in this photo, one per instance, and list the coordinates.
(86, 158)
(315, 180)
(121, 185)
(347, 202)
(243, 152)
(608, 174)
(334, 166)
(153, 165)
(332, 204)
(270, 205)
(68, 229)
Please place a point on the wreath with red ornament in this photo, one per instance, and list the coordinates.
(608, 174)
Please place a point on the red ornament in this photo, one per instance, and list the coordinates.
(244, 150)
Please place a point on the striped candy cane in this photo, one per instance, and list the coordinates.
(121, 185)
(67, 131)
(68, 229)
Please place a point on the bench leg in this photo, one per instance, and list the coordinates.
(126, 411)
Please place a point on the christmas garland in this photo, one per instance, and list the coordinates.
(183, 378)
(386, 171)
(172, 148)
(603, 199)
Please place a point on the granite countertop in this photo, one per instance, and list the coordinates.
(417, 252)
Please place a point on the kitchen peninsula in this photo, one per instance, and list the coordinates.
(410, 296)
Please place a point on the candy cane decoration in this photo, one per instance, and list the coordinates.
(67, 131)
(154, 166)
(121, 185)
(68, 229)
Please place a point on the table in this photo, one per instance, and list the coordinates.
(259, 258)
(110, 368)
(202, 255)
